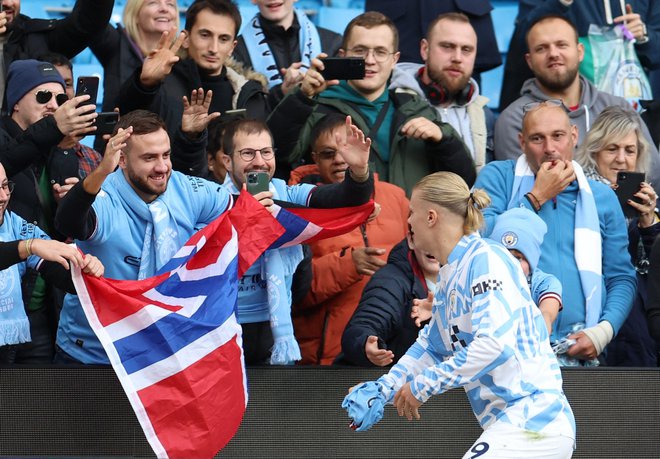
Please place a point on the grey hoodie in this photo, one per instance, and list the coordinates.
(473, 121)
(592, 102)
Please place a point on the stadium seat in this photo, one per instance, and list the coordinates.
(336, 19)
(504, 18)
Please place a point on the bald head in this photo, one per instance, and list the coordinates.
(547, 135)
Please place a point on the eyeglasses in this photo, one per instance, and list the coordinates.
(8, 187)
(380, 54)
(248, 154)
(531, 106)
(44, 96)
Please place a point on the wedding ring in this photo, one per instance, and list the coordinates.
(112, 144)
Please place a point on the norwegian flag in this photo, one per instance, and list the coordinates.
(173, 339)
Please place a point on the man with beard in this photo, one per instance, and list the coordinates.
(164, 79)
(586, 243)
(264, 293)
(135, 218)
(554, 57)
(409, 138)
(445, 80)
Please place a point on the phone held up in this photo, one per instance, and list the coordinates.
(628, 183)
(343, 68)
(88, 85)
(257, 182)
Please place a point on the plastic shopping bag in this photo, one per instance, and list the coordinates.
(616, 68)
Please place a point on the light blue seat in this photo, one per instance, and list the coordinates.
(504, 19)
(336, 19)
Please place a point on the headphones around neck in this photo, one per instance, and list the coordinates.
(438, 94)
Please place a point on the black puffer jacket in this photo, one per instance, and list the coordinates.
(384, 309)
(29, 38)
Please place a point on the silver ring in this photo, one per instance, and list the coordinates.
(112, 144)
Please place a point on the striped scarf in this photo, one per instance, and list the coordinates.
(261, 55)
(588, 247)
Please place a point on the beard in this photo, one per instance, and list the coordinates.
(558, 81)
(452, 85)
(142, 184)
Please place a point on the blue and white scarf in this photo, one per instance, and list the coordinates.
(588, 247)
(280, 266)
(161, 236)
(261, 55)
(14, 323)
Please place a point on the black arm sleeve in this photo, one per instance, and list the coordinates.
(132, 95)
(348, 193)
(451, 154)
(189, 156)
(74, 33)
(9, 254)
(377, 314)
(653, 307)
(34, 143)
(75, 217)
(55, 274)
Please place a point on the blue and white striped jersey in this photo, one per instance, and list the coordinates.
(487, 335)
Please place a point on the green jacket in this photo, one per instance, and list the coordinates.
(409, 160)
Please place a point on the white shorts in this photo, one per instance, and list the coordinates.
(502, 440)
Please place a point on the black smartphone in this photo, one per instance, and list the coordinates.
(257, 182)
(628, 183)
(343, 68)
(106, 122)
(88, 85)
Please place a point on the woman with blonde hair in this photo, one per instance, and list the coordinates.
(122, 49)
(486, 335)
(616, 143)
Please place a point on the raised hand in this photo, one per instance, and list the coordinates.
(646, 206)
(291, 77)
(196, 116)
(354, 147)
(551, 179)
(159, 62)
(313, 83)
(59, 191)
(73, 118)
(379, 357)
(113, 150)
(421, 310)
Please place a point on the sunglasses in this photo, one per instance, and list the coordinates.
(44, 96)
(531, 106)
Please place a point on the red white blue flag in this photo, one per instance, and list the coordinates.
(173, 339)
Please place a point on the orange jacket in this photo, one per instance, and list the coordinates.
(320, 319)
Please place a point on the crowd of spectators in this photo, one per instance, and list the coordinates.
(203, 103)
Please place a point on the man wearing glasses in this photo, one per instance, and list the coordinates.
(40, 117)
(264, 295)
(409, 139)
(586, 246)
(554, 57)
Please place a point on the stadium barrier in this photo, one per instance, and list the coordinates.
(294, 412)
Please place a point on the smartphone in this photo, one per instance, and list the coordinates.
(106, 122)
(88, 85)
(628, 183)
(257, 182)
(343, 68)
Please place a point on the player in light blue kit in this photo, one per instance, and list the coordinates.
(486, 335)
